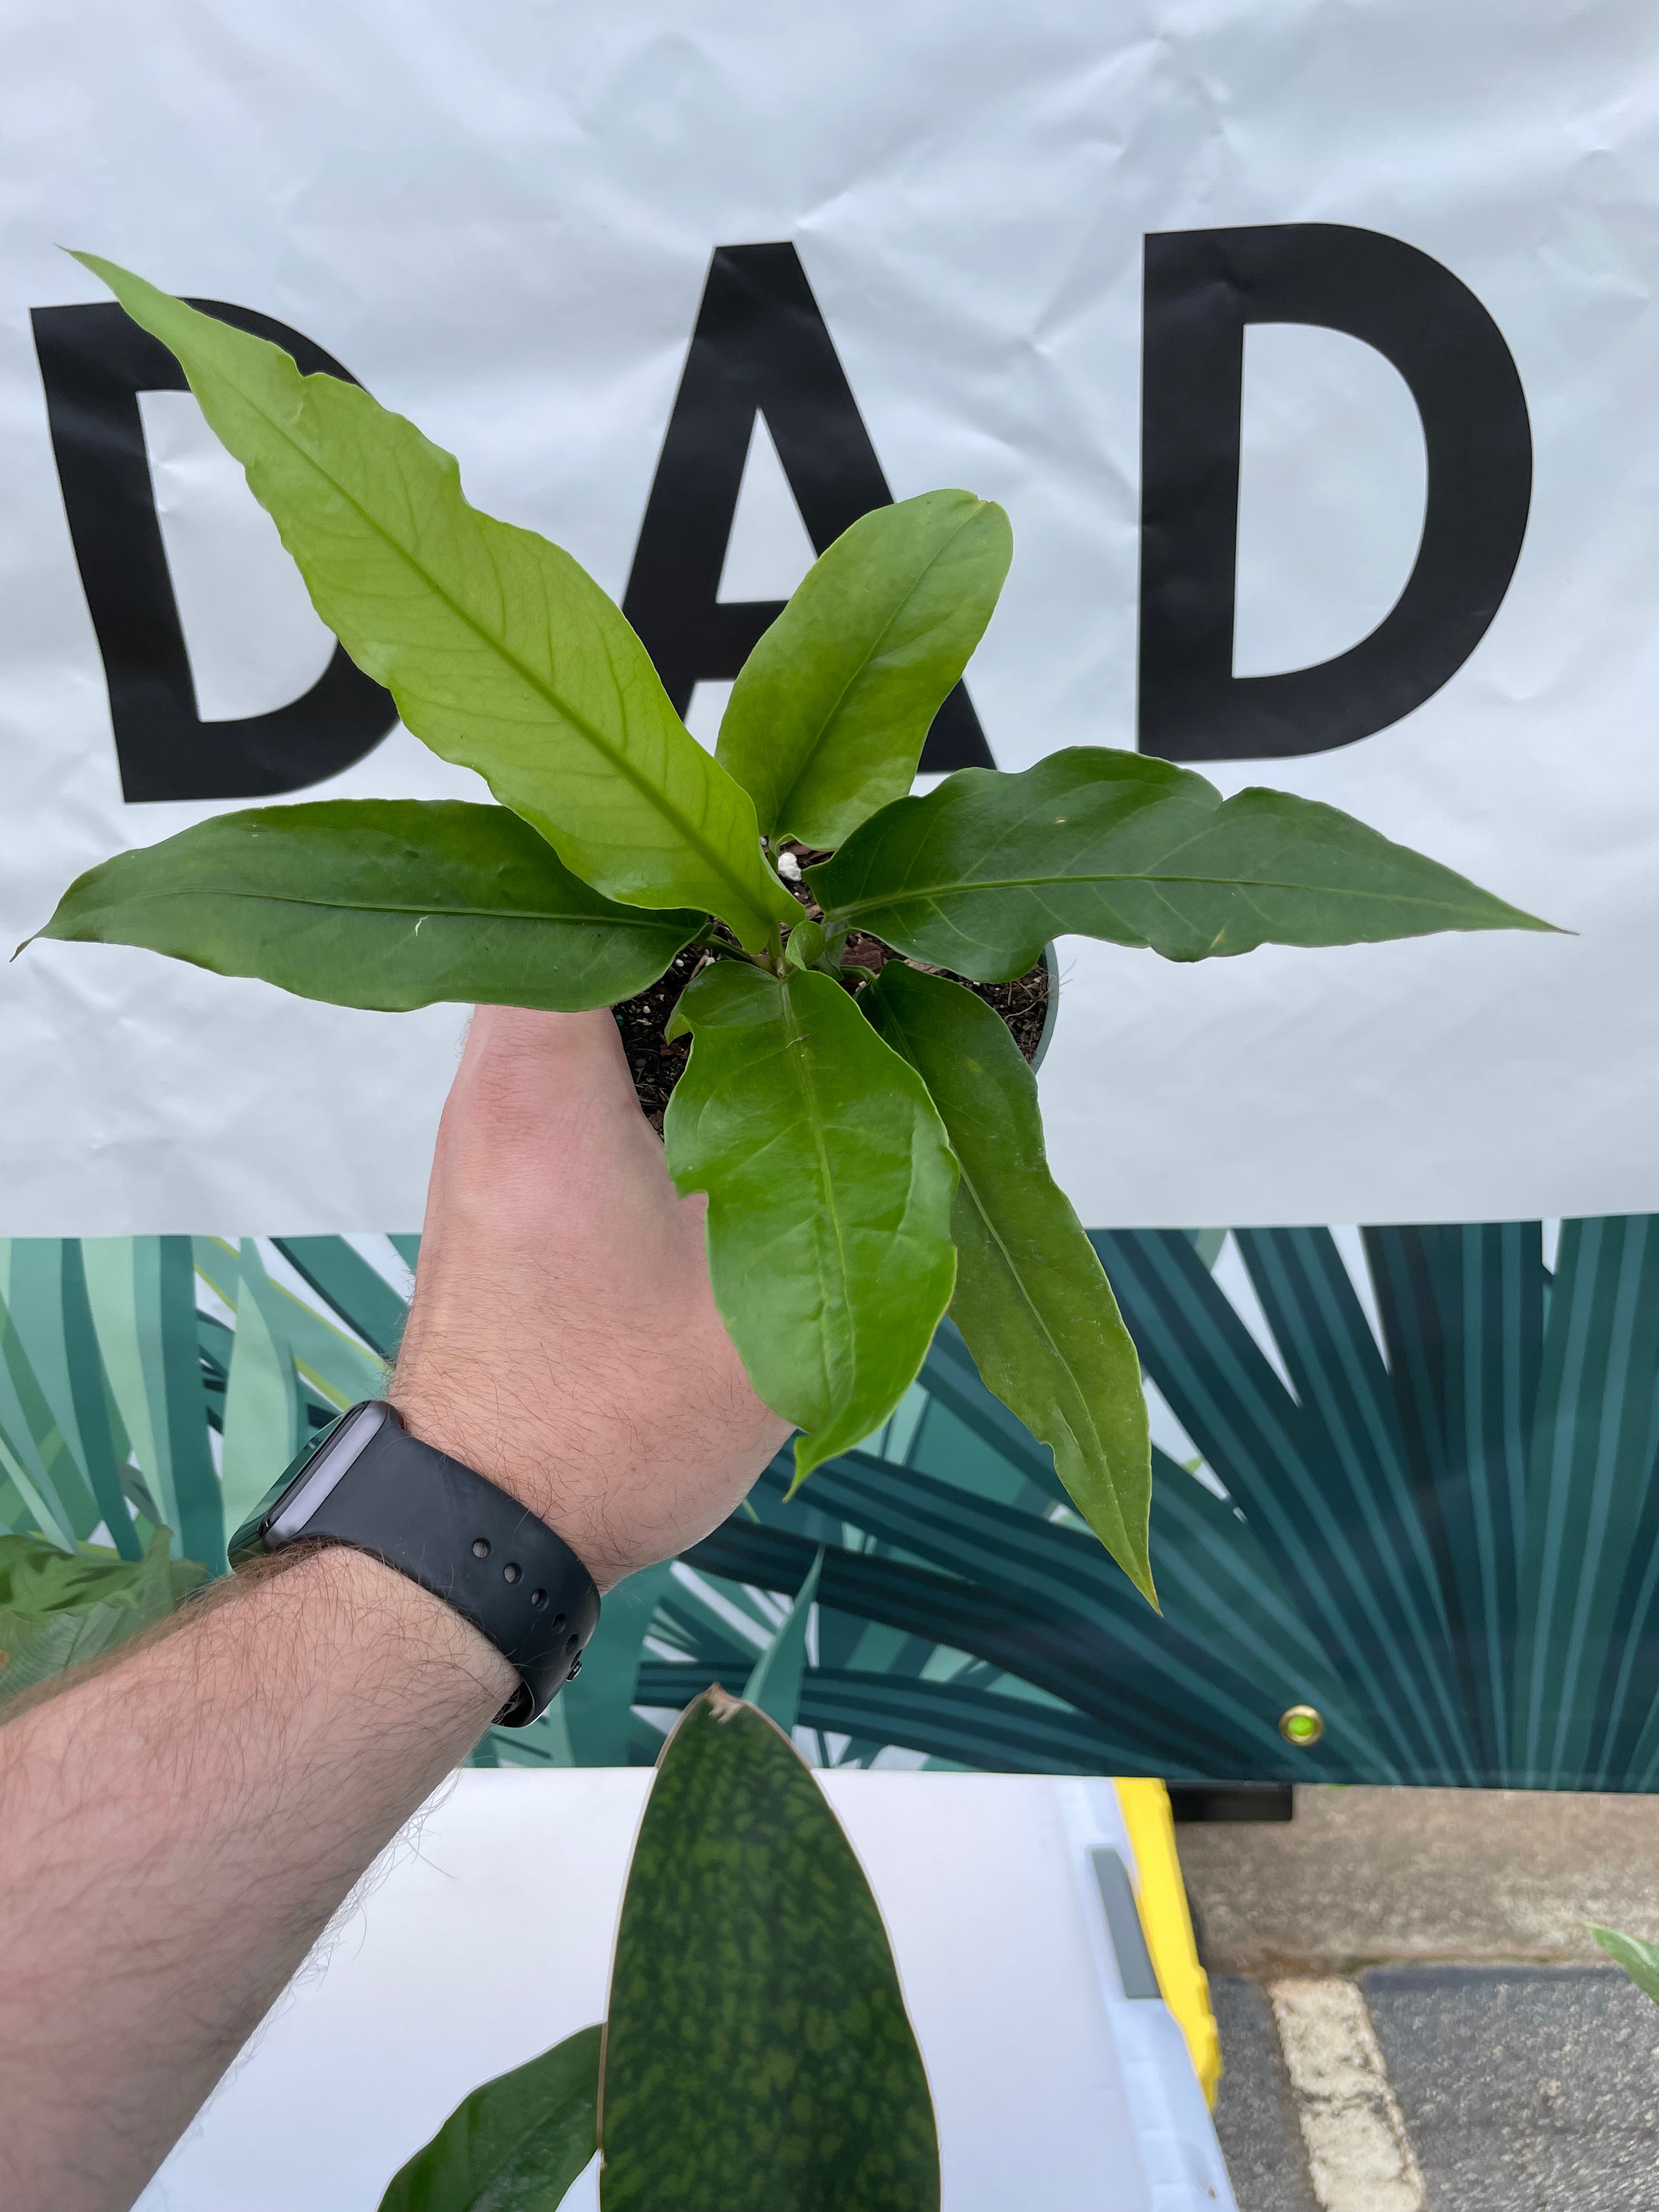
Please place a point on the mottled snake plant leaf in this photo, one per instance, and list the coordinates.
(379, 902)
(980, 873)
(502, 653)
(829, 714)
(1031, 1297)
(515, 2145)
(757, 2053)
(830, 1183)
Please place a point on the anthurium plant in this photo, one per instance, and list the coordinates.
(863, 1125)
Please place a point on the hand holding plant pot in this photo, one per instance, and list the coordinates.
(562, 1340)
(869, 1142)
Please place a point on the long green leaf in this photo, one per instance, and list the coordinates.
(774, 1684)
(264, 1425)
(515, 2145)
(829, 1182)
(980, 873)
(382, 902)
(1640, 1960)
(501, 652)
(829, 713)
(82, 1367)
(142, 1291)
(758, 2054)
(40, 1456)
(1031, 1297)
(337, 1371)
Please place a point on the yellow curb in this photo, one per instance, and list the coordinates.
(1162, 1896)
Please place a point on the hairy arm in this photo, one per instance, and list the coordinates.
(177, 1826)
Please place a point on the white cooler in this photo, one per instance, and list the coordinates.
(1061, 2079)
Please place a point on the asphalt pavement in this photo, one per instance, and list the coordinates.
(1369, 2067)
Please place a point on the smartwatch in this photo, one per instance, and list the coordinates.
(366, 1482)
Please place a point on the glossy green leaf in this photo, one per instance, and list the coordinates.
(515, 2145)
(381, 902)
(829, 714)
(980, 873)
(501, 652)
(1640, 1960)
(757, 2053)
(774, 1684)
(807, 945)
(1031, 1297)
(829, 1182)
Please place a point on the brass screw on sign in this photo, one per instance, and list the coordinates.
(1301, 1725)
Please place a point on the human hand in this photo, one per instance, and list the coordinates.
(563, 1339)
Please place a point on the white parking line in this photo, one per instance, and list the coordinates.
(1359, 2156)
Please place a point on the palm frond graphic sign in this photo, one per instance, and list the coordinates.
(1410, 1485)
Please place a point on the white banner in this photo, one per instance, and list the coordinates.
(1368, 288)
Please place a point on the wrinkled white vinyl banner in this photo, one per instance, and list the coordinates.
(502, 221)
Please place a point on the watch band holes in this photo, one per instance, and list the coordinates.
(512, 1572)
(481, 1547)
(538, 1597)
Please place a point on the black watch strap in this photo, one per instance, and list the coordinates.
(368, 1483)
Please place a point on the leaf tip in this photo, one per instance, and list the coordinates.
(807, 1456)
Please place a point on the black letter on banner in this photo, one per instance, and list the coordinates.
(1202, 287)
(761, 346)
(94, 362)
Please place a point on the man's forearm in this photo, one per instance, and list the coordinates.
(176, 1830)
(175, 1833)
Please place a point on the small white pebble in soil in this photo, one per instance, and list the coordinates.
(789, 867)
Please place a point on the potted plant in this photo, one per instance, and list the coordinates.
(864, 1126)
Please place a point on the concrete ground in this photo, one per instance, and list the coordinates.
(1412, 2013)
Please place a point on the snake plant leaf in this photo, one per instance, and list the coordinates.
(829, 1182)
(1640, 1960)
(757, 2053)
(980, 873)
(502, 653)
(829, 714)
(515, 2145)
(379, 902)
(1031, 1297)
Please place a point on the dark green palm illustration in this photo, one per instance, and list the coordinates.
(1446, 1543)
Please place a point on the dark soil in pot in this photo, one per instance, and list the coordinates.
(656, 1065)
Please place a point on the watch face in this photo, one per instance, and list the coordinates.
(319, 1471)
(249, 1539)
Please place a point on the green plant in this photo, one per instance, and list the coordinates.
(1640, 1960)
(865, 1130)
(756, 2053)
(59, 1608)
